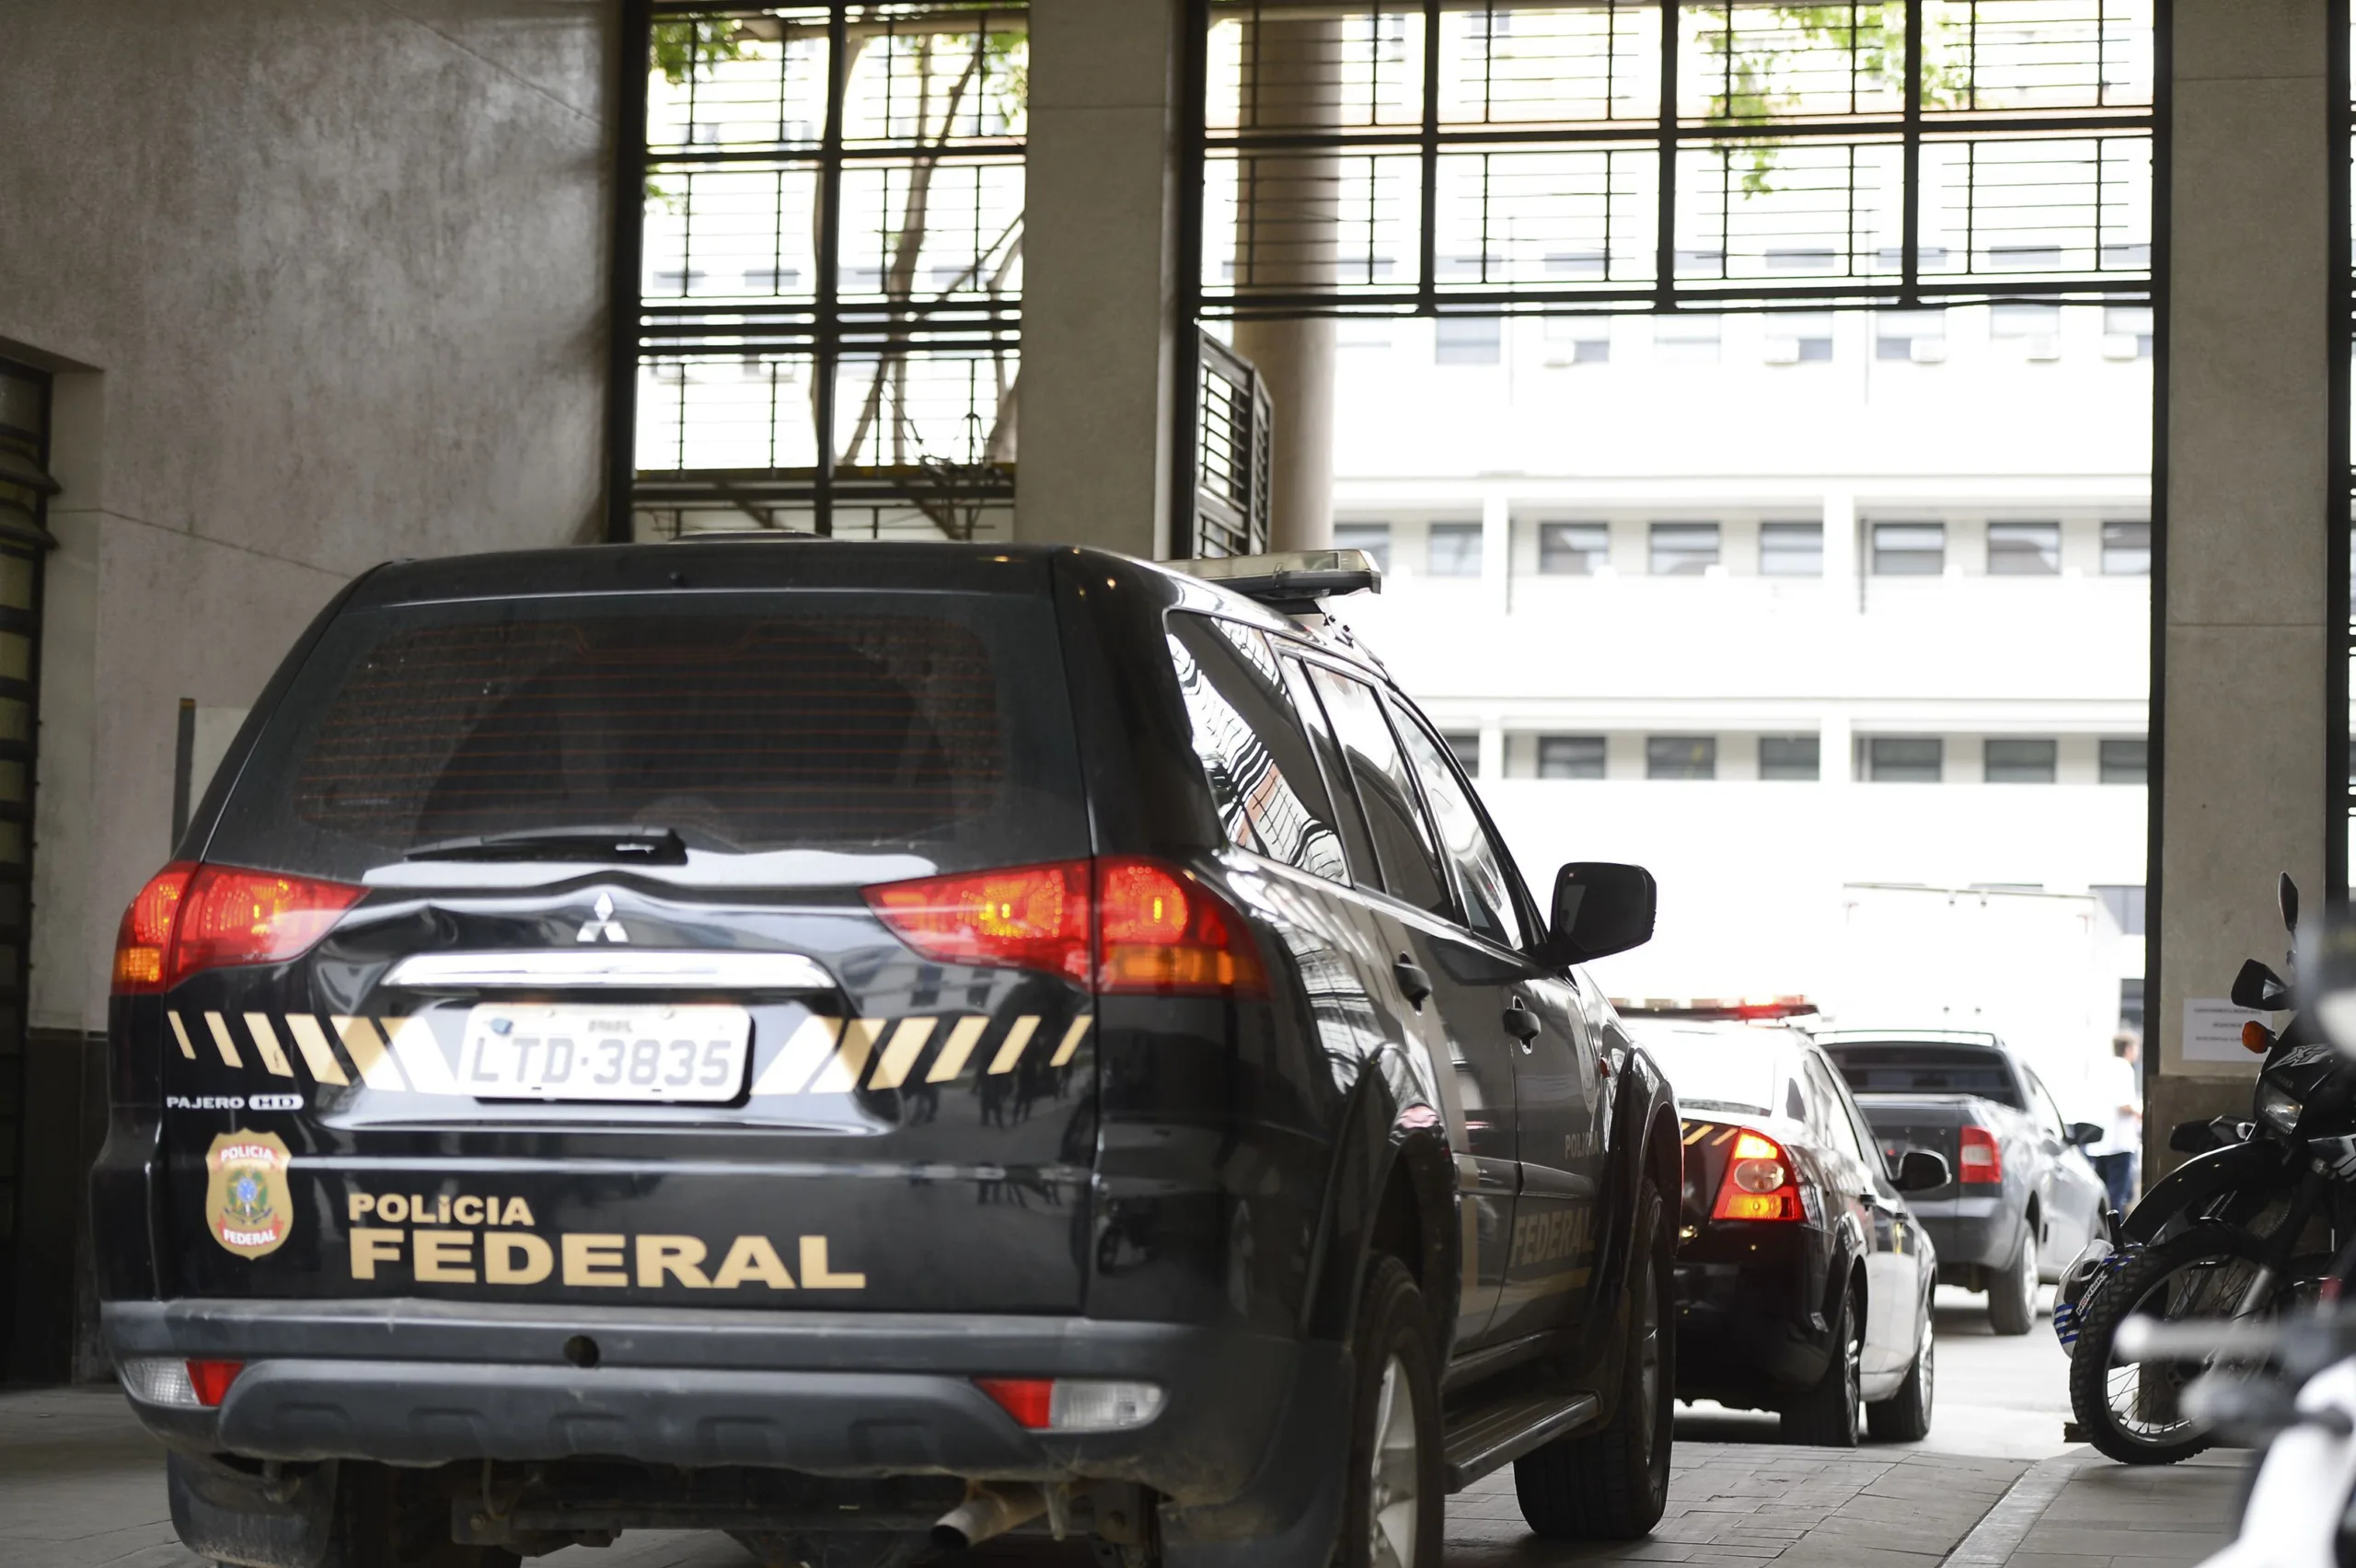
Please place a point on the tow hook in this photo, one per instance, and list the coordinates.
(987, 1512)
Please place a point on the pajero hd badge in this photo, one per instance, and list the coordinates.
(246, 1200)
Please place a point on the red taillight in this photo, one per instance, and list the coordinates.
(1758, 1183)
(211, 1380)
(1023, 917)
(1030, 1401)
(191, 917)
(1981, 1160)
(1150, 928)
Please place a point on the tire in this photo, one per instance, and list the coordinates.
(399, 1518)
(1612, 1484)
(1905, 1416)
(1394, 1493)
(2131, 1412)
(2012, 1291)
(1826, 1416)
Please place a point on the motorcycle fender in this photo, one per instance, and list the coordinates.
(2255, 1171)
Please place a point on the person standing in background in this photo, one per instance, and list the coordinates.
(2120, 1152)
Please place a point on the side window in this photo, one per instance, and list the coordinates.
(1347, 814)
(1793, 1106)
(1832, 1112)
(1394, 818)
(2041, 1106)
(1254, 751)
(1482, 879)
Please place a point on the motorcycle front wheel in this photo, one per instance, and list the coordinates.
(2134, 1410)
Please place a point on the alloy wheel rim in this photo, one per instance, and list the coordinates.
(1649, 1357)
(1392, 1504)
(1852, 1368)
(1930, 1370)
(2029, 1273)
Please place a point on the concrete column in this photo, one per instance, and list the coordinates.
(1840, 550)
(1287, 223)
(2248, 499)
(1099, 260)
(1835, 748)
(1496, 551)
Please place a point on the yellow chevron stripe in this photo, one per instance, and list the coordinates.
(956, 1048)
(274, 1056)
(420, 1055)
(908, 1040)
(1725, 1137)
(367, 1052)
(790, 1071)
(318, 1054)
(1010, 1050)
(842, 1071)
(1071, 1040)
(180, 1032)
(221, 1039)
(1697, 1134)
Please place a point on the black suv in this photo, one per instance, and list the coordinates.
(868, 1047)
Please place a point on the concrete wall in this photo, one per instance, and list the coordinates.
(324, 281)
(2249, 500)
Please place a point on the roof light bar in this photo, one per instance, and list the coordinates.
(1291, 578)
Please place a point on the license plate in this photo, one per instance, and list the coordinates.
(680, 1056)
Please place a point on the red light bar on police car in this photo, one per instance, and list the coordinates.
(1732, 1010)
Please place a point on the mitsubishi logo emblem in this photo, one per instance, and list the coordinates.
(601, 925)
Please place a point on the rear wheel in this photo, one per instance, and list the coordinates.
(2012, 1292)
(1826, 1416)
(1614, 1484)
(1392, 1495)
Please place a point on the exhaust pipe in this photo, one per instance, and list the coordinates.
(987, 1512)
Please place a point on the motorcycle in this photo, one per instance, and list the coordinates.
(2220, 1236)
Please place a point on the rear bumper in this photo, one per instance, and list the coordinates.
(1750, 1319)
(416, 1382)
(1970, 1233)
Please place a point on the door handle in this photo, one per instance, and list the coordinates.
(1413, 984)
(1520, 1022)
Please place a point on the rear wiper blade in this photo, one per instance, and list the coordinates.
(629, 846)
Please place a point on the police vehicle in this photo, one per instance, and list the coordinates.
(869, 1047)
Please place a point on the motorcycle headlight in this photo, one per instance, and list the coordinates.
(2277, 1107)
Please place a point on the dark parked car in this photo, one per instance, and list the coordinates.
(1803, 1280)
(2025, 1200)
(869, 1046)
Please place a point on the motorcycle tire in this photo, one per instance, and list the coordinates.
(2199, 1272)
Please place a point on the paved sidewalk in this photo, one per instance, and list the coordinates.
(81, 1487)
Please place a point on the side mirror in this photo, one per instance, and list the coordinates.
(2289, 897)
(1601, 908)
(2084, 1134)
(2260, 989)
(1921, 1170)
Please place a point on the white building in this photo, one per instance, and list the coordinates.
(1779, 606)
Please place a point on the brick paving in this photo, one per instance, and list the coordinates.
(81, 1487)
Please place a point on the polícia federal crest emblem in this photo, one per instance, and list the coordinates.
(245, 1200)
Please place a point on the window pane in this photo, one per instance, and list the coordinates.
(1335, 772)
(1683, 550)
(1374, 538)
(1790, 756)
(2126, 762)
(1468, 340)
(1455, 549)
(2023, 550)
(1253, 748)
(2126, 906)
(1465, 745)
(1572, 550)
(1681, 756)
(2127, 550)
(1403, 838)
(2131, 1004)
(1791, 549)
(1570, 756)
(2018, 762)
(1480, 875)
(1892, 759)
(1910, 549)
(1895, 333)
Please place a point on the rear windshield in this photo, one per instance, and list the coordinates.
(1903, 1068)
(902, 726)
(1715, 1069)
